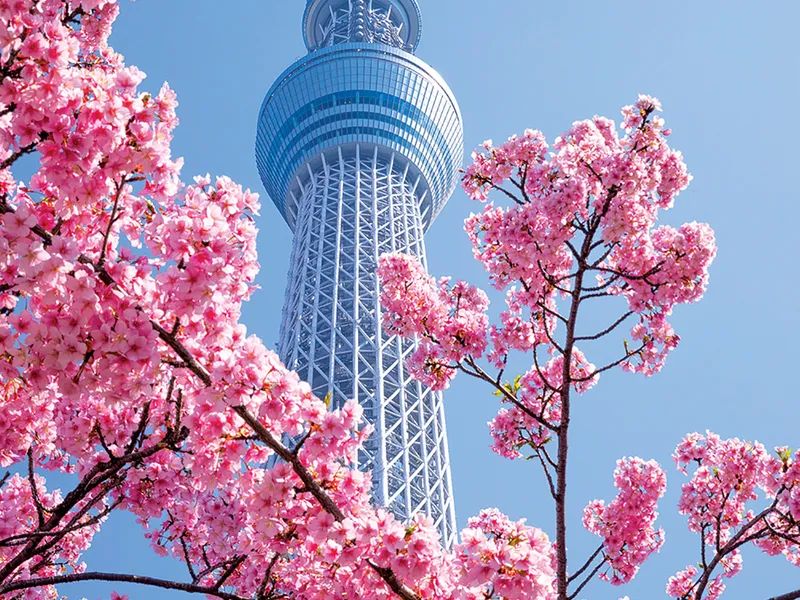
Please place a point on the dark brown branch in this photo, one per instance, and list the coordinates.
(552, 281)
(606, 331)
(630, 276)
(479, 373)
(596, 295)
(20, 538)
(116, 577)
(547, 457)
(734, 543)
(790, 596)
(547, 474)
(189, 566)
(586, 581)
(111, 220)
(388, 576)
(586, 565)
(551, 312)
(140, 429)
(100, 474)
(522, 183)
(397, 586)
(235, 563)
(34, 489)
(179, 349)
(18, 154)
(509, 194)
(539, 371)
(287, 455)
(609, 366)
(262, 590)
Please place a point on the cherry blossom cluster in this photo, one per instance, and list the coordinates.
(627, 524)
(600, 189)
(535, 399)
(26, 505)
(727, 477)
(505, 560)
(449, 320)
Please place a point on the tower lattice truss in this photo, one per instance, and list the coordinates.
(351, 210)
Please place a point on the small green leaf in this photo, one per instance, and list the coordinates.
(327, 399)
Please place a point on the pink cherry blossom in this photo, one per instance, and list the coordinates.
(626, 524)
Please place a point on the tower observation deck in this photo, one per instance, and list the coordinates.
(359, 145)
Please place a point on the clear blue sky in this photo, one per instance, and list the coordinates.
(727, 74)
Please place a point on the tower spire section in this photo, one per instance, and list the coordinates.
(359, 145)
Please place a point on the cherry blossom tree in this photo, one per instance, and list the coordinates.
(575, 227)
(126, 371)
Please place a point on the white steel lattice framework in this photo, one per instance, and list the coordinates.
(359, 145)
(352, 210)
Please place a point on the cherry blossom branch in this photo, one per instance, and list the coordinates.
(111, 220)
(587, 579)
(609, 366)
(738, 540)
(550, 337)
(509, 194)
(551, 312)
(547, 474)
(37, 501)
(479, 373)
(186, 558)
(596, 295)
(606, 331)
(18, 539)
(20, 153)
(235, 564)
(520, 185)
(99, 475)
(262, 591)
(313, 487)
(587, 564)
(790, 596)
(117, 577)
(562, 576)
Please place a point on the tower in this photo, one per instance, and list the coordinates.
(359, 145)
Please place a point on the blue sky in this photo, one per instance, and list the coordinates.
(727, 74)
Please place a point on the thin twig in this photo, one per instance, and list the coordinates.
(37, 501)
(606, 331)
(586, 565)
(189, 566)
(116, 577)
(586, 581)
(235, 563)
(481, 374)
(546, 470)
(111, 220)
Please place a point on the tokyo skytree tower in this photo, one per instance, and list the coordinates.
(359, 145)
